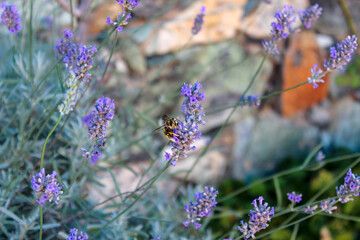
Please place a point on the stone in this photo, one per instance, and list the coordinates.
(266, 140)
(132, 55)
(345, 128)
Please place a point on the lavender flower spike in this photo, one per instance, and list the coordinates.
(280, 29)
(310, 15)
(328, 206)
(75, 235)
(70, 97)
(205, 201)
(10, 17)
(84, 61)
(97, 121)
(46, 187)
(198, 21)
(188, 131)
(294, 198)
(351, 185)
(259, 218)
(310, 210)
(66, 49)
(341, 54)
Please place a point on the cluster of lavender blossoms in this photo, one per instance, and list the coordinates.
(10, 17)
(339, 57)
(310, 15)
(259, 218)
(75, 235)
(125, 15)
(294, 198)
(205, 201)
(78, 60)
(97, 122)
(351, 185)
(251, 100)
(281, 28)
(198, 21)
(46, 187)
(188, 131)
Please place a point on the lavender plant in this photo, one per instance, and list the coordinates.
(38, 78)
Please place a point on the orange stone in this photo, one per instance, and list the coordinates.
(302, 54)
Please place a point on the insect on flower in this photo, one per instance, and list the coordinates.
(170, 127)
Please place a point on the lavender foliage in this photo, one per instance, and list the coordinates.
(187, 131)
(76, 235)
(198, 21)
(205, 201)
(310, 15)
(10, 17)
(351, 185)
(97, 122)
(259, 218)
(46, 187)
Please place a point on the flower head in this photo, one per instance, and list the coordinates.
(84, 61)
(280, 28)
(259, 218)
(294, 198)
(310, 210)
(351, 185)
(250, 100)
(10, 17)
(46, 187)
(122, 20)
(315, 76)
(97, 122)
(128, 4)
(66, 49)
(205, 201)
(341, 54)
(188, 131)
(310, 15)
(198, 21)
(328, 206)
(75, 235)
(70, 96)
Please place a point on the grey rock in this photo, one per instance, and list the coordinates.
(263, 141)
(133, 57)
(345, 127)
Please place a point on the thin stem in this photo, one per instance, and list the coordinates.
(348, 18)
(111, 53)
(137, 199)
(41, 222)
(46, 140)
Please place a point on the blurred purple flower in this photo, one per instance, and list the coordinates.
(75, 235)
(351, 185)
(294, 198)
(198, 21)
(310, 15)
(10, 17)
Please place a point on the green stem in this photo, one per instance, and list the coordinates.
(41, 222)
(111, 53)
(46, 140)
(348, 18)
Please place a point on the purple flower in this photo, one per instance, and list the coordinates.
(341, 54)
(75, 235)
(188, 131)
(310, 15)
(280, 29)
(320, 156)
(316, 74)
(46, 187)
(84, 61)
(294, 198)
(66, 49)
(128, 4)
(10, 17)
(198, 21)
(310, 210)
(351, 185)
(259, 218)
(205, 201)
(328, 206)
(97, 122)
(122, 20)
(251, 100)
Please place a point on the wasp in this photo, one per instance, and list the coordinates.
(170, 124)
